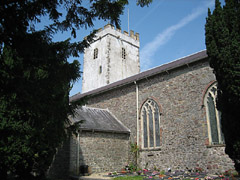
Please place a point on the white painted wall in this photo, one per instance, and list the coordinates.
(110, 42)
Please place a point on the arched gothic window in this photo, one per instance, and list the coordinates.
(123, 53)
(150, 120)
(95, 53)
(213, 116)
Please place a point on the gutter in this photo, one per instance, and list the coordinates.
(78, 144)
(105, 131)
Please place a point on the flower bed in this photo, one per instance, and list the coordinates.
(147, 174)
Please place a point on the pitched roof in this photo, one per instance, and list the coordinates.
(100, 120)
(145, 74)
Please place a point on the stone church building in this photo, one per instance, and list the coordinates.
(169, 111)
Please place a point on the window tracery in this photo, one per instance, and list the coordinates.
(150, 119)
(213, 116)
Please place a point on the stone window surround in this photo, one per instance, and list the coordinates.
(141, 138)
(123, 53)
(95, 53)
(209, 143)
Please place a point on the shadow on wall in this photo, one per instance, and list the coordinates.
(66, 161)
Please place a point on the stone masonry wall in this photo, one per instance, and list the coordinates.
(104, 152)
(183, 121)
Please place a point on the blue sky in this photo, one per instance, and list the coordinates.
(169, 30)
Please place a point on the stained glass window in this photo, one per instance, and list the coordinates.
(150, 118)
(157, 126)
(145, 133)
(213, 116)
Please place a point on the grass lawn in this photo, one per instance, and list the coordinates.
(129, 178)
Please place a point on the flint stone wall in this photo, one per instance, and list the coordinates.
(179, 93)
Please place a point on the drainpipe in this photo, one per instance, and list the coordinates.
(137, 112)
(78, 144)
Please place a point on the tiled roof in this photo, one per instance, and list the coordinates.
(100, 120)
(151, 72)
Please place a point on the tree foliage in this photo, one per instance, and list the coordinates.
(223, 48)
(35, 77)
(34, 104)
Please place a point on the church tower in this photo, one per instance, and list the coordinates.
(111, 57)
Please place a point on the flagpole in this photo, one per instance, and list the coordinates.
(128, 20)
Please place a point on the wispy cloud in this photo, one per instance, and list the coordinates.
(144, 17)
(163, 37)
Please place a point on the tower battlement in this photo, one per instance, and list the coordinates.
(131, 34)
(109, 29)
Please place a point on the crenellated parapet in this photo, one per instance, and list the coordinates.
(125, 33)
